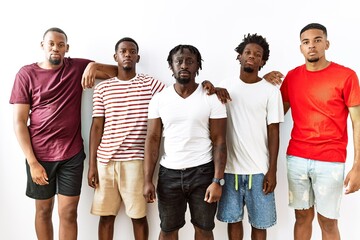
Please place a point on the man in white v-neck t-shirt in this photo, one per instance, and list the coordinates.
(193, 125)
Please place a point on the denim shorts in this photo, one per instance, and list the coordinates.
(318, 183)
(177, 188)
(65, 178)
(261, 208)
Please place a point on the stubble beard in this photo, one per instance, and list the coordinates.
(248, 69)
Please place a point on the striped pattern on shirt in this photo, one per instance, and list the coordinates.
(124, 104)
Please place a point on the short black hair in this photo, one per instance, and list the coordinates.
(314, 26)
(56, 29)
(181, 48)
(126, 39)
(257, 39)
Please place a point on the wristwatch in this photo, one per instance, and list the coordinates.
(219, 181)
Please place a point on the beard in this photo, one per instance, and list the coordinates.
(312, 60)
(55, 61)
(248, 69)
(127, 68)
(182, 80)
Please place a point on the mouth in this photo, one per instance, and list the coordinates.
(184, 73)
(249, 62)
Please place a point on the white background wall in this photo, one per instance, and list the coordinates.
(215, 27)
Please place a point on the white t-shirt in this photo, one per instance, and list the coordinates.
(186, 126)
(253, 107)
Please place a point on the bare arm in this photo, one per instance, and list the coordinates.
(20, 118)
(352, 180)
(152, 146)
(218, 138)
(96, 70)
(96, 133)
(269, 183)
(286, 107)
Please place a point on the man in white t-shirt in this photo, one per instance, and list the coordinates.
(193, 125)
(254, 115)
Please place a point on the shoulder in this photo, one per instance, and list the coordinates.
(68, 61)
(338, 67)
(269, 86)
(147, 79)
(297, 69)
(105, 83)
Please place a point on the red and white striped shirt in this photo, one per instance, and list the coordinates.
(124, 104)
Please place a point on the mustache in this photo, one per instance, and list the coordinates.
(184, 71)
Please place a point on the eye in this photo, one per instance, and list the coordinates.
(178, 62)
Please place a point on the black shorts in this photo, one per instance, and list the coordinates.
(65, 178)
(177, 188)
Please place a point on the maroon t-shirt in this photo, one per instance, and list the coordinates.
(55, 107)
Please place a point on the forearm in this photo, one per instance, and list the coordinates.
(150, 159)
(218, 139)
(356, 139)
(23, 137)
(105, 71)
(219, 156)
(273, 146)
(96, 133)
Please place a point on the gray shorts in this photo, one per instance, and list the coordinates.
(313, 182)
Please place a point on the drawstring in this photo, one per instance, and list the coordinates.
(237, 182)
(113, 174)
(250, 181)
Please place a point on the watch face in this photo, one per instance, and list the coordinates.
(222, 182)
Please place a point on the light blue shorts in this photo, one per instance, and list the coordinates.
(261, 208)
(318, 183)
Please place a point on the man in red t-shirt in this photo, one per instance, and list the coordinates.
(321, 94)
(49, 93)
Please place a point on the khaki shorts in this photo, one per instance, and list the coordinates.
(120, 182)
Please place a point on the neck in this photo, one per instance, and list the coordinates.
(185, 90)
(317, 66)
(126, 75)
(249, 77)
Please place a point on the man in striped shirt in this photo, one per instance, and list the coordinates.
(117, 138)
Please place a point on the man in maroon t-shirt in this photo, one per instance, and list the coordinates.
(49, 94)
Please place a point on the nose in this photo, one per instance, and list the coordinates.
(55, 47)
(183, 65)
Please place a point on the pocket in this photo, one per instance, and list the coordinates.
(162, 171)
(206, 169)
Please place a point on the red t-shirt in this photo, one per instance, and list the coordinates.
(55, 107)
(319, 104)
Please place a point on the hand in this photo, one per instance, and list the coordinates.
(213, 193)
(89, 75)
(352, 181)
(38, 174)
(223, 95)
(269, 182)
(93, 177)
(149, 192)
(274, 77)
